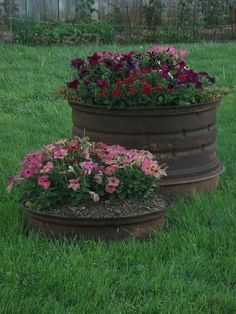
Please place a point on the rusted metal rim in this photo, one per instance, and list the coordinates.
(191, 179)
(149, 111)
(119, 221)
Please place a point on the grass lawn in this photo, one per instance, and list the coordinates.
(191, 265)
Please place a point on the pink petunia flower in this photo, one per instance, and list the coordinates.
(85, 155)
(47, 167)
(28, 172)
(74, 184)
(87, 167)
(32, 160)
(110, 189)
(44, 182)
(151, 167)
(110, 170)
(113, 181)
(50, 147)
(60, 153)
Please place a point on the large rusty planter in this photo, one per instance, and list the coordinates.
(183, 138)
(109, 229)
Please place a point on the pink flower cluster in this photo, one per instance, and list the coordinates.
(78, 166)
(171, 50)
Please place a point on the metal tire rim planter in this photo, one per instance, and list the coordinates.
(140, 226)
(182, 137)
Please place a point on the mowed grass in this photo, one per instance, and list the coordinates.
(190, 267)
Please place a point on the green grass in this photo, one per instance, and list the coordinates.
(190, 267)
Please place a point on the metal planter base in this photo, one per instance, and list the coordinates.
(108, 229)
(183, 138)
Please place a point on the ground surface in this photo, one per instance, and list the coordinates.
(191, 265)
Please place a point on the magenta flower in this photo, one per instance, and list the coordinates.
(47, 167)
(74, 184)
(44, 182)
(60, 153)
(74, 84)
(77, 63)
(28, 172)
(102, 83)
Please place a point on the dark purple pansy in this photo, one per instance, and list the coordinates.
(77, 63)
(94, 58)
(74, 84)
(83, 73)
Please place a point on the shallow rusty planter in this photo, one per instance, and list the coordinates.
(109, 229)
(183, 138)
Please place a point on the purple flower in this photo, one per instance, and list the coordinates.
(83, 74)
(77, 63)
(74, 84)
(102, 83)
(93, 60)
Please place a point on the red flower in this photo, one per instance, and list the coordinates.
(116, 92)
(132, 89)
(121, 82)
(183, 77)
(103, 92)
(74, 84)
(170, 91)
(147, 90)
(74, 148)
(130, 79)
(144, 83)
(159, 88)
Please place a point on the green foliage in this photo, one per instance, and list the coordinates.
(85, 10)
(152, 13)
(33, 32)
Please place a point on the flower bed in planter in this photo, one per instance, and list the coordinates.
(153, 101)
(93, 190)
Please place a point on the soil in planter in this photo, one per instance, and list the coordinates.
(113, 208)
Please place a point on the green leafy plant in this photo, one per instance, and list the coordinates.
(85, 10)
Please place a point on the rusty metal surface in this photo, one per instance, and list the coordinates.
(109, 229)
(183, 138)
